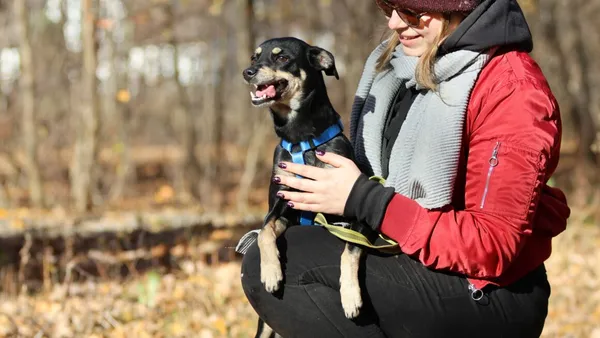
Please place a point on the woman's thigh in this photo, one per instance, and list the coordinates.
(401, 296)
(307, 303)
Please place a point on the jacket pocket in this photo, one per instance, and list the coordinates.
(513, 175)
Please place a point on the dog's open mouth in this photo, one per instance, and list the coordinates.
(268, 92)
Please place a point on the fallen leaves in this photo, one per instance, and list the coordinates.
(574, 274)
(209, 303)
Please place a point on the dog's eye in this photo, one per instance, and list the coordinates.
(282, 59)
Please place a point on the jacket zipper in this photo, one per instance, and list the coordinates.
(476, 294)
(493, 161)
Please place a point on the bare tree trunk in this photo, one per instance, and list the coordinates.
(220, 90)
(246, 39)
(84, 155)
(260, 127)
(212, 163)
(27, 84)
(118, 109)
(260, 132)
(187, 174)
(207, 132)
(4, 198)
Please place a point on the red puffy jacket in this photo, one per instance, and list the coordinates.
(504, 215)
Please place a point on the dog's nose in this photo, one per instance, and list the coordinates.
(249, 73)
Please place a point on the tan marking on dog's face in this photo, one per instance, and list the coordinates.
(276, 50)
(302, 74)
(258, 51)
(293, 93)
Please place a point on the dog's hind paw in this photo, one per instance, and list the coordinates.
(351, 301)
(271, 276)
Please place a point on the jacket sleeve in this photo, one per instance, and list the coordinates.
(514, 136)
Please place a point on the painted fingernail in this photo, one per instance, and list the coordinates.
(290, 204)
(280, 195)
(320, 152)
(277, 179)
(282, 165)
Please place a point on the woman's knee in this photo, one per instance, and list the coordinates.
(300, 249)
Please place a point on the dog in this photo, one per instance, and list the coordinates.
(287, 78)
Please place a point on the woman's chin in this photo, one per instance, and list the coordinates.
(413, 51)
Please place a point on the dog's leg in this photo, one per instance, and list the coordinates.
(349, 287)
(270, 267)
(265, 331)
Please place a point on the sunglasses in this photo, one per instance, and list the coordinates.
(409, 17)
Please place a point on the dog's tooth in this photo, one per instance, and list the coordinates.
(252, 95)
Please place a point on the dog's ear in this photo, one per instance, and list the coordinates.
(321, 59)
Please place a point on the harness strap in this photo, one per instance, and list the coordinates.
(356, 237)
(306, 217)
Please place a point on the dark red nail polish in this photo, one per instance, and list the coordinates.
(280, 195)
(276, 179)
(320, 152)
(290, 204)
(282, 165)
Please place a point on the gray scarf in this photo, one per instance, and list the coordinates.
(424, 159)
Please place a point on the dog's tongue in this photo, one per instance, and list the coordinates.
(269, 92)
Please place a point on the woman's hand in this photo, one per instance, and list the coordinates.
(322, 190)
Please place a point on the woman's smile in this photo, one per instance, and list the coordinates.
(408, 40)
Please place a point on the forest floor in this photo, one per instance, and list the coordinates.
(196, 299)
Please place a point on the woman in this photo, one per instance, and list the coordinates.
(461, 122)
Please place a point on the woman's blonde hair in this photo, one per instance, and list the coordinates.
(425, 74)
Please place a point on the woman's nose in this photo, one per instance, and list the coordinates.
(395, 22)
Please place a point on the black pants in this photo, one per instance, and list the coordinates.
(401, 297)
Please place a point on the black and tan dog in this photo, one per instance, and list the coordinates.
(287, 77)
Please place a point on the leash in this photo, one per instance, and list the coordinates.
(356, 237)
(306, 217)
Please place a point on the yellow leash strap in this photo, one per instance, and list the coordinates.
(356, 237)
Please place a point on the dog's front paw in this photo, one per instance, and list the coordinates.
(270, 276)
(351, 300)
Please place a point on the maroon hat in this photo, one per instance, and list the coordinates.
(440, 6)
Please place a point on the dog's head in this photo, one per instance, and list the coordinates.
(282, 69)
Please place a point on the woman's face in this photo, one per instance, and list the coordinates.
(415, 41)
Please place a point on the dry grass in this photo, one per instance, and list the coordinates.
(201, 301)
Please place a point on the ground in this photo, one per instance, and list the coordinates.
(201, 301)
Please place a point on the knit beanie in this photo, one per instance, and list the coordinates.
(440, 6)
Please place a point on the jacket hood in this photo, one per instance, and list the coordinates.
(494, 23)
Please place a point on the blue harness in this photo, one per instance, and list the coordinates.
(307, 217)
